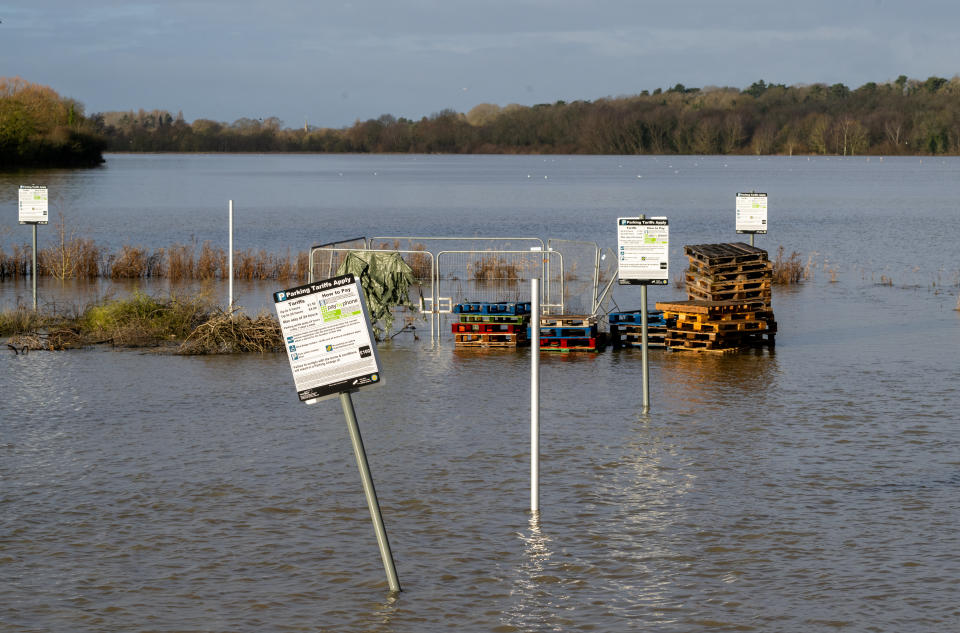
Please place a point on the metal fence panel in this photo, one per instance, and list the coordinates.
(470, 276)
(324, 262)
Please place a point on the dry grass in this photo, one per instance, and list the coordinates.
(70, 257)
(494, 268)
(73, 257)
(790, 270)
(420, 262)
(193, 325)
(230, 333)
(143, 321)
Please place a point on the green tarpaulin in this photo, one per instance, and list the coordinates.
(386, 281)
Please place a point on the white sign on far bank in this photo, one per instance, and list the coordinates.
(643, 251)
(751, 213)
(33, 204)
(330, 344)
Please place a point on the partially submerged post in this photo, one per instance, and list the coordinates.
(535, 397)
(326, 324)
(230, 258)
(643, 254)
(33, 208)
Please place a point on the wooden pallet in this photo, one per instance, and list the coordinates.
(657, 340)
(589, 331)
(720, 327)
(733, 269)
(720, 254)
(483, 318)
(763, 295)
(714, 310)
(567, 320)
(568, 344)
(488, 328)
(719, 341)
(708, 283)
(764, 271)
(490, 340)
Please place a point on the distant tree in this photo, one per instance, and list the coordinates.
(933, 84)
(756, 89)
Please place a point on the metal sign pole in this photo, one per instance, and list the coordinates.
(645, 349)
(369, 491)
(645, 354)
(34, 267)
(230, 258)
(535, 397)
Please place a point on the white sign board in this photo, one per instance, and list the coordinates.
(33, 204)
(751, 213)
(326, 330)
(643, 251)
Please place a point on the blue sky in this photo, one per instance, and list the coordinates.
(330, 63)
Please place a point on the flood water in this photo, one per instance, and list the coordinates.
(815, 487)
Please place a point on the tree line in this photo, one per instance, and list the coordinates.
(39, 128)
(905, 116)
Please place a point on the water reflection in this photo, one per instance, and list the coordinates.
(538, 596)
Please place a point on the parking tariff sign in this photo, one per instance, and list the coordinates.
(751, 213)
(643, 251)
(326, 331)
(33, 204)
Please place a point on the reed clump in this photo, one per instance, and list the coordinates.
(70, 256)
(419, 262)
(494, 268)
(15, 264)
(19, 320)
(143, 321)
(788, 270)
(187, 325)
(234, 332)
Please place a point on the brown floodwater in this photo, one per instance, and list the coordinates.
(815, 486)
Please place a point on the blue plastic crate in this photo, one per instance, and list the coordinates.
(558, 332)
(654, 317)
(498, 308)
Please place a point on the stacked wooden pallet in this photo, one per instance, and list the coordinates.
(626, 328)
(568, 333)
(728, 272)
(729, 296)
(720, 327)
(486, 324)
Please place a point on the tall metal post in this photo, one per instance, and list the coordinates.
(751, 239)
(368, 490)
(534, 397)
(230, 259)
(644, 345)
(34, 267)
(645, 354)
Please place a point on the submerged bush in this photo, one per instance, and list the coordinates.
(143, 320)
(790, 270)
(229, 333)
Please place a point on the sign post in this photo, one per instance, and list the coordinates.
(751, 213)
(643, 251)
(330, 345)
(535, 398)
(230, 258)
(33, 210)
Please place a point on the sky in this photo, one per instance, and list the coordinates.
(331, 63)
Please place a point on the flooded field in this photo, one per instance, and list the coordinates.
(812, 487)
